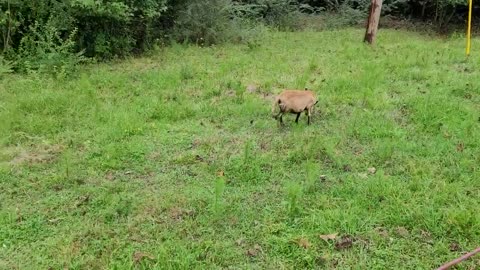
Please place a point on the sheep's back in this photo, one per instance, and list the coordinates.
(297, 100)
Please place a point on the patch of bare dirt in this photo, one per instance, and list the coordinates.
(254, 251)
(179, 214)
(402, 231)
(381, 231)
(252, 88)
(267, 96)
(344, 242)
(37, 155)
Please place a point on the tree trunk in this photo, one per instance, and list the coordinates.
(373, 20)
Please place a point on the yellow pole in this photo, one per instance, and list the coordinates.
(469, 26)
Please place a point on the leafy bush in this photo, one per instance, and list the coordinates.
(44, 50)
(5, 66)
(352, 16)
(206, 22)
(395, 7)
(445, 10)
(49, 33)
(282, 14)
(117, 27)
(439, 11)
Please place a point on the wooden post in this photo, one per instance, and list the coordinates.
(373, 20)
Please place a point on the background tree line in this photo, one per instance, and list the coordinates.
(55, 35)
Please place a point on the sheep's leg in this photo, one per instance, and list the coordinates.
(309, 114)
(298, 116)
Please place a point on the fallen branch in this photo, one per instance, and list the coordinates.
(458, 260)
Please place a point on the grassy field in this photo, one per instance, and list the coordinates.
(173, 161)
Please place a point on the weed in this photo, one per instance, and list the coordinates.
(5, 66)
(186, 73)
(247, 153)
(294, 193)
(311, 176)
(219, 189)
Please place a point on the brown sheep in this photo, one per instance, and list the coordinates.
(294, 101)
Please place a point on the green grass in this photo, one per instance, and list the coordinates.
(173, 161)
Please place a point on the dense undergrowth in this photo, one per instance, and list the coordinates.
(54, 37)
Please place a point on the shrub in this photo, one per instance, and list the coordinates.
(44, 50)
(441, 12)
(101, 29)
(5, 66)
(117, 28)
(208, 22)
(282, 14)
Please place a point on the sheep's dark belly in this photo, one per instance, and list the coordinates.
(296, 111)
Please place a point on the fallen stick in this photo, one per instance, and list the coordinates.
(458, 260)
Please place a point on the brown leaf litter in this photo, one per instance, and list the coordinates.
(138, 256)
(254, 251)
(344, 242)
(178, 213)
(327, 237)
(304, 243)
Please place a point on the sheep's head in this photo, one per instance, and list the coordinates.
(275, 114)
(275, 108)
